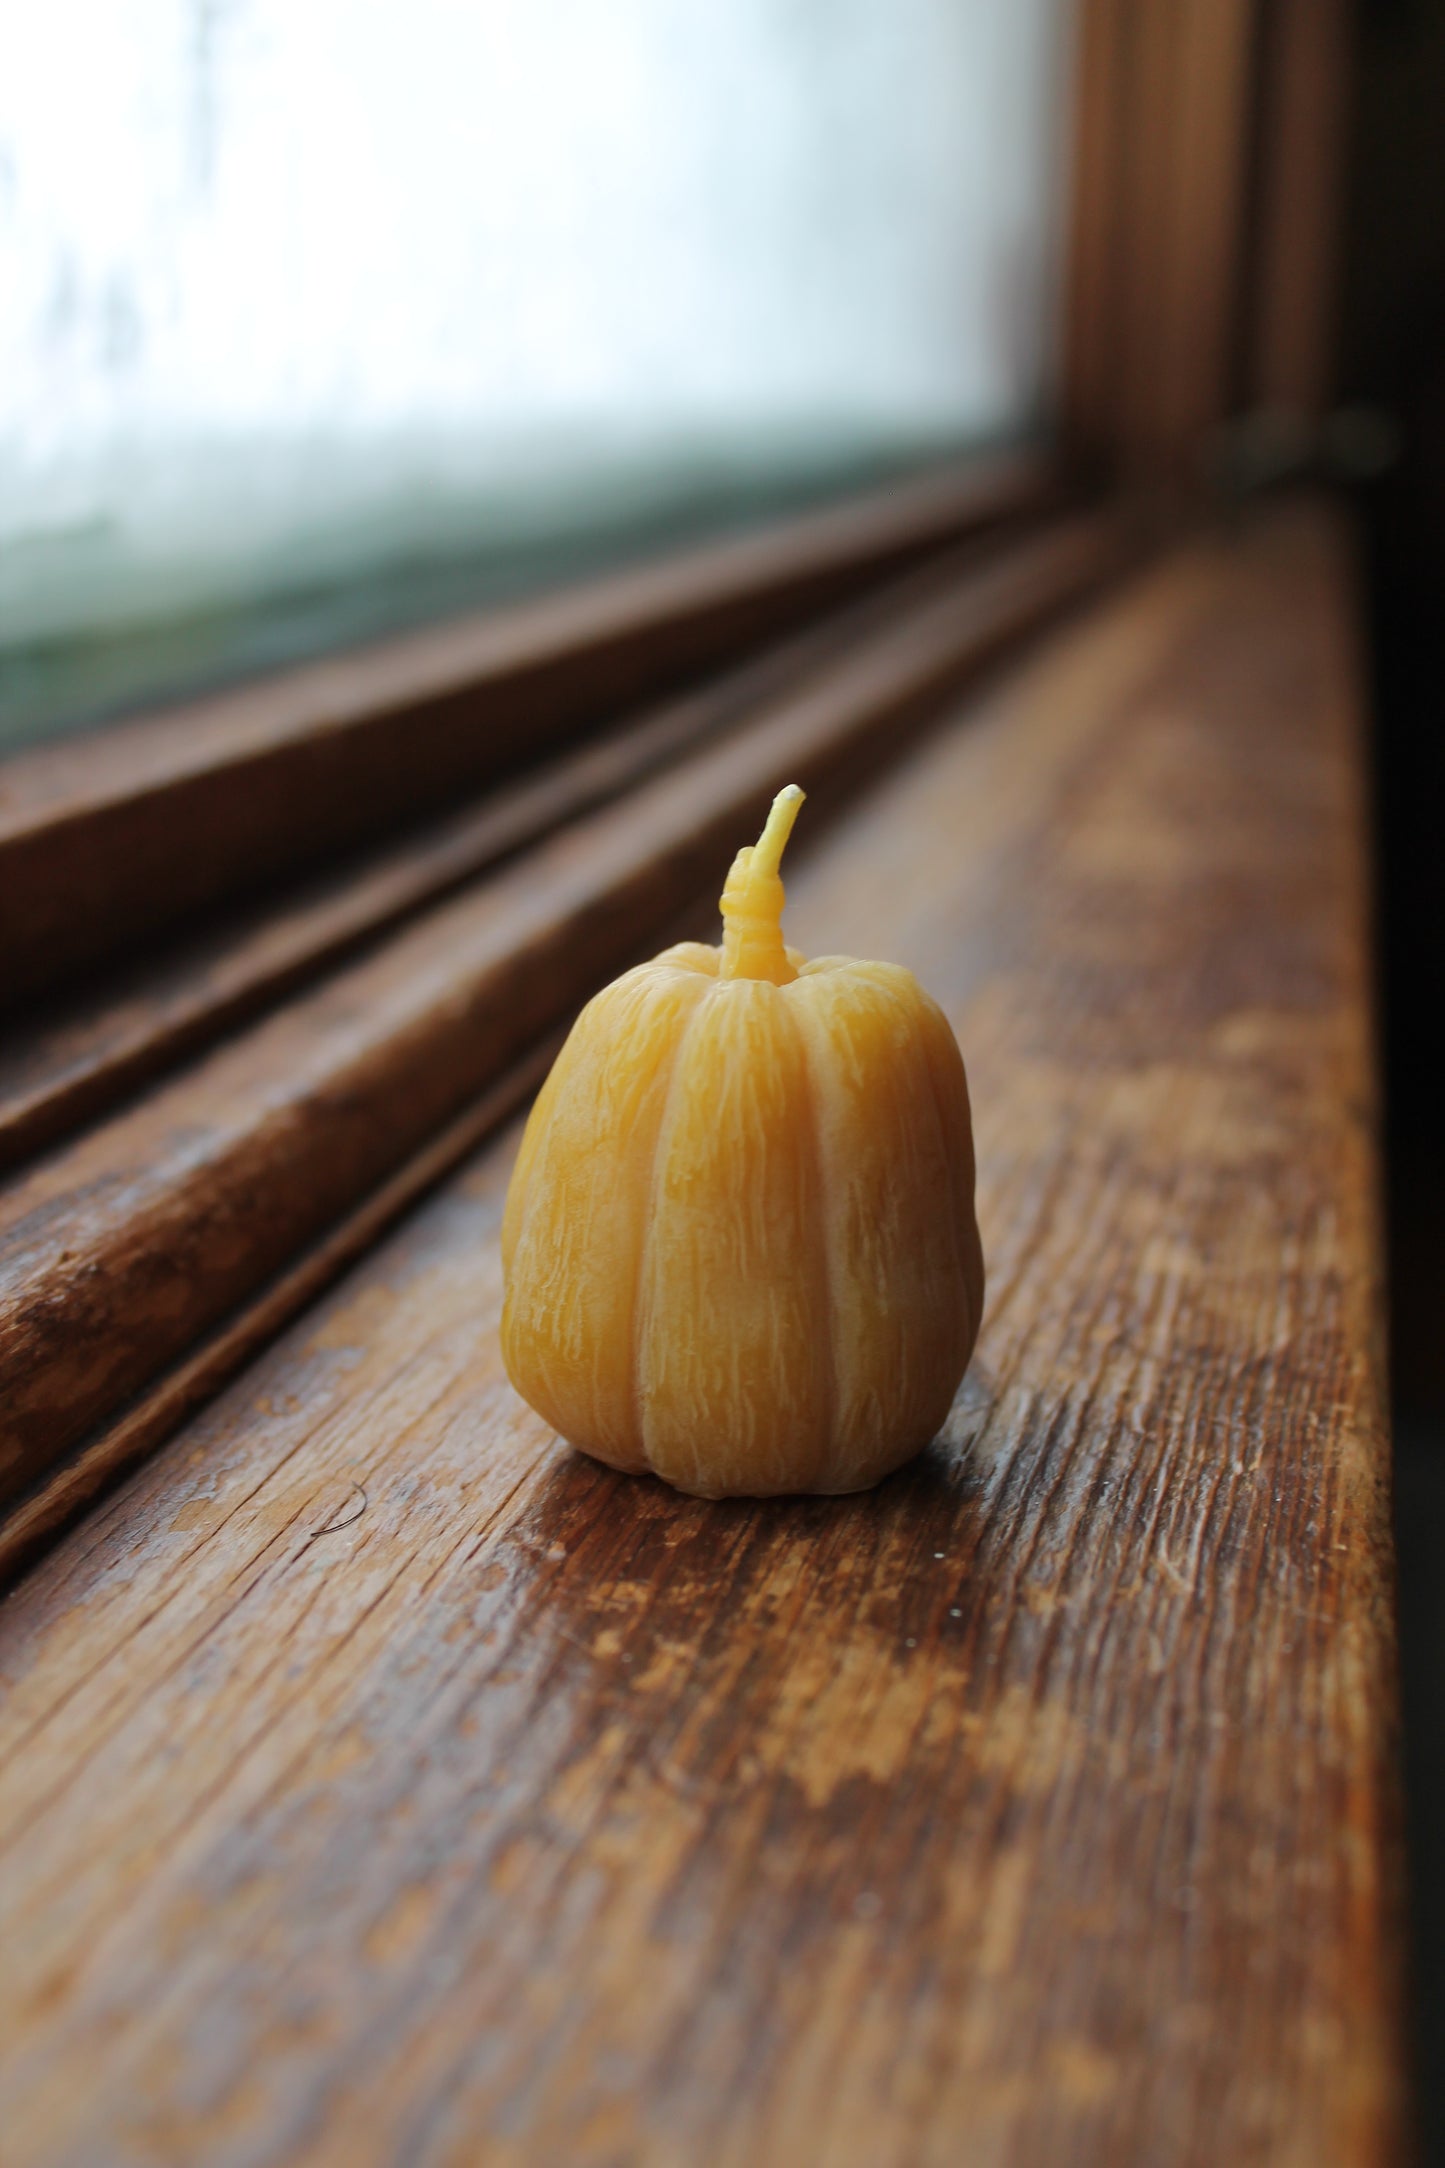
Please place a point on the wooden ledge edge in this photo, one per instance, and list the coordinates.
(38, 1520)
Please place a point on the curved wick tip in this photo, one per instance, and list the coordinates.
(778, 828)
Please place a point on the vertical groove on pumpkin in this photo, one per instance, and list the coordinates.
(927, 1029)
(806, 1026)
(642, 1290)
(930, 1046)
(519, 1199)
(519, 1188)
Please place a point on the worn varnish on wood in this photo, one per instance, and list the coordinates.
(379, 1782)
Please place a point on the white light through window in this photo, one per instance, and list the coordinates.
(287, 283)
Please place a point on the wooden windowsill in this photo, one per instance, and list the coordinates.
(124, 1250)
(380, 1781)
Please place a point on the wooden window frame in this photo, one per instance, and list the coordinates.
(117, 836)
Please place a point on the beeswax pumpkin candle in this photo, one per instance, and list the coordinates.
(739, 1244)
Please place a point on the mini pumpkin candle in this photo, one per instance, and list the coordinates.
(739, 1244)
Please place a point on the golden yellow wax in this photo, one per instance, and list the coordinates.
(739, 1244)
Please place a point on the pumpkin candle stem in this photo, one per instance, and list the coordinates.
(752, 901)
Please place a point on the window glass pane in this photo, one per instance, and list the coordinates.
(318, 317)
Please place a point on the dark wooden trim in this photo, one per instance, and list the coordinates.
(106, 839)
(123, 1249)
(74, 1059)
(1094, 262)
(1164, 101)
(1303, 115)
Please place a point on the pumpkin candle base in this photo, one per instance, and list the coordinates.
(739, 1244)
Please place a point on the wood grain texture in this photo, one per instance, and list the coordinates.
(120, 1250)
(68, 1488)
(112, 836)
(381, 1783)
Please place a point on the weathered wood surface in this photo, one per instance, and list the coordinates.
(187, 1384)
(119, 1250)
(380, 1783)
(106, 838)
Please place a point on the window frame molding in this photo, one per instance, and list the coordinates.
(109, 838)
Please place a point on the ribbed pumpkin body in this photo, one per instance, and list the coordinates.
(740, 1247)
